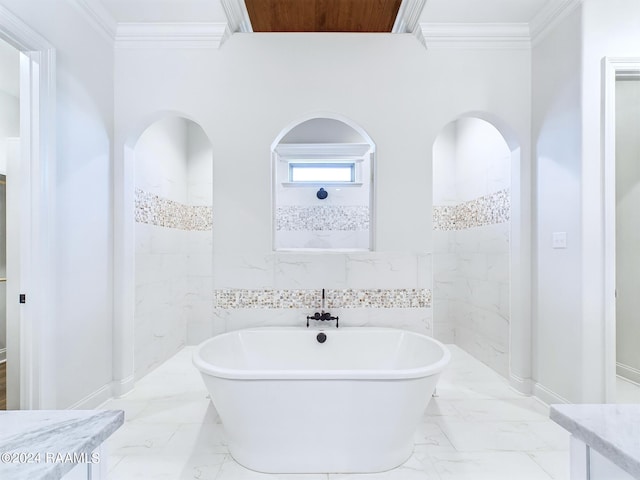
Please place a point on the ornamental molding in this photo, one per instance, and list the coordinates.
(550, 16)
(170, 35)
(476, 35)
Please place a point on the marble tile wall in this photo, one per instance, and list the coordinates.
(471, 277)
(161, 269)
(385, 289)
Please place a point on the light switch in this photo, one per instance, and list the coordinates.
(559, 240)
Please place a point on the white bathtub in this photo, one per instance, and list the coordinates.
(290, 404)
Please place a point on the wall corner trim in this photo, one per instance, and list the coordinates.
(550, 16)
(98, 17)
(476, 35)
(237, 16)
(522, 385)
(171, 35)
(94, 399)
(547, 395)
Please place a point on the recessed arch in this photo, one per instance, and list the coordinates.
(331, 209)
(124, 246)
(519, 348)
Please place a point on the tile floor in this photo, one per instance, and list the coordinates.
(477, 428)
(627, 391)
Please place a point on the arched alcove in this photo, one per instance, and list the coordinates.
(481, 263)
(322, 186)
(172, 202)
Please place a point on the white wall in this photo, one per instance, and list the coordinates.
(611, 30)
(81, 323)
(244, 95)
(567, 128)
(557, 136)
(471, 262)
(627, 228)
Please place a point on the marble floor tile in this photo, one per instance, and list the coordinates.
(476, 427)
(487, 466)
(556, 464)
(199, 410)
(231, 470)
(493, 436)
(141, 438)
(430, 434)
(627, 391)
(168, 467)
(197, 439)
(501, 409)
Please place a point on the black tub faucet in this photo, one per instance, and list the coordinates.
(322, 315)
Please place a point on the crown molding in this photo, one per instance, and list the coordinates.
(171, 35)
(314, 151)
(98, 17)
(19, 35)
(237, 16)
(476, 35)
(408, 16)
(550, 16)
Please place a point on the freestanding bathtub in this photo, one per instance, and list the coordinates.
(290, 404)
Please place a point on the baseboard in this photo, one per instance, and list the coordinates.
(628, 373)
(119, 388)
(522, 385)
(547, 396)
(3, 355)
(94, 399)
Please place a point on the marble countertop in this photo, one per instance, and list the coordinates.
(40, 444)
(612, 430)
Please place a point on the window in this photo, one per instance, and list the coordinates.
(324, 172)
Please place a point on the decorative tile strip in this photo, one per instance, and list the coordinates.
(344, 298)
(322, 218)
(488, 210)
(155, 210)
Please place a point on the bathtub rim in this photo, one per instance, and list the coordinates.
(317, 374)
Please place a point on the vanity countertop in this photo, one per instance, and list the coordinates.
(41, 444)
(612, 430)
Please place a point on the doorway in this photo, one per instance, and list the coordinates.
(622, 228)
(623, 231)
(30, 181)
(9, 137)
(490, 198)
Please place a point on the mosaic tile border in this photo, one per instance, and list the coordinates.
(487, 210)
(322, 218)
(155, 210)
(344, 298)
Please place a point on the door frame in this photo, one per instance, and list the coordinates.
(611, 68)
(30, 369)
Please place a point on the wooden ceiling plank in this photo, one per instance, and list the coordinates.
(322, 15)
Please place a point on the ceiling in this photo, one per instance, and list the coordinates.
(435, 11)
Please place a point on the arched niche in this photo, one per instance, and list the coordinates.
(173, 231)
(323, 186)
(493, 191)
